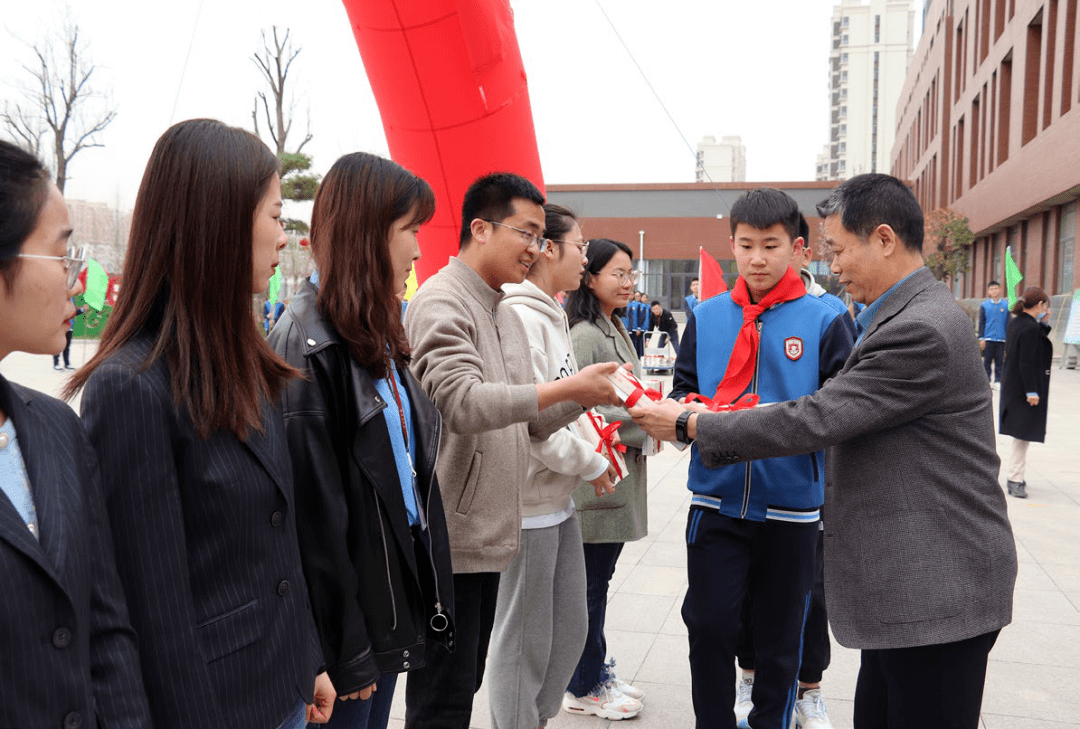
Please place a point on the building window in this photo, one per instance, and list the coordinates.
(877, 28)
(843, 58)
(843, 75)
(1066, 248)
(844, 22)
(843, 112)
(843, 128)
(843, 147)
(843, 93)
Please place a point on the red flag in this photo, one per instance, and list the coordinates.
(712, 278)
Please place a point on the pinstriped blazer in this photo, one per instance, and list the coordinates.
(67, 652)
(206, 546)
(918, 546)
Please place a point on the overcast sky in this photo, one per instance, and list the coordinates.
(757, 70)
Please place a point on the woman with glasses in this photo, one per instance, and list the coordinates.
(364, 438)
(540, 615)
(180, 405)
(68, 651)
(607, 522)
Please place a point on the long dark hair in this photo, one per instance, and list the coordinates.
(1033, 296)
(24, 185)
(357, 204)
(187, 277)
(582, 304)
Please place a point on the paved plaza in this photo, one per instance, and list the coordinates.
(1033, 680)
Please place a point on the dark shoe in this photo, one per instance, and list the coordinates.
(1017, 489)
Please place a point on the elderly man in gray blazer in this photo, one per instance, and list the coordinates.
(919, 554)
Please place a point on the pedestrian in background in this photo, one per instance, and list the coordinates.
(1025, 386)
(993, 318)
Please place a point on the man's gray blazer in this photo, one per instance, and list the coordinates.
(918, 546)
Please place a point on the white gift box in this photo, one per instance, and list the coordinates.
(589, 426)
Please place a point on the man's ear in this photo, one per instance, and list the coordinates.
(479, 230)
(889, 240)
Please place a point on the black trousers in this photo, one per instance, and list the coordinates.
(727, 558)
(67, 352)
(938, 686)
(440, 695)
(817, 650)
(994, 354)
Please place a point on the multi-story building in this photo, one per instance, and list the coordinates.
(871, 48)
(720, 162)
(989, 125)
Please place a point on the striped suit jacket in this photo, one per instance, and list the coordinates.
(67, 652)
(206, 546)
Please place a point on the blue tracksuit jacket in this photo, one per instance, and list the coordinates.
(803, 343)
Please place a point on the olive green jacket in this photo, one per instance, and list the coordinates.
(623, 515)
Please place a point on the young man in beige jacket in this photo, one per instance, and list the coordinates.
(471, 355)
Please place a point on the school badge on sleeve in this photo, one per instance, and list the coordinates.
(793, 348)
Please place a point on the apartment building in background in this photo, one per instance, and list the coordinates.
(723, 161)
(989, 125)
(871, 48)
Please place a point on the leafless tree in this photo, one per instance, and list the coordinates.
(274, 63)
(58, 103)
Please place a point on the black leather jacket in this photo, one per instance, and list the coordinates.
(377, 593)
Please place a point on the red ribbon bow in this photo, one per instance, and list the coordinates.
(638, 392)
(745, 402)
(607, 438)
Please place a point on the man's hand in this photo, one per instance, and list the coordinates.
(982, 345)
(319, 710)
(1033, 400)
(658, 418)
(603, 483)
(592, 387)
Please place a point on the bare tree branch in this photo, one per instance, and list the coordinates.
(274, 62)
(60, 92)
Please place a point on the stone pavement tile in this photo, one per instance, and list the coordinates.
(1046, 693)
(654, 580)
(637, 613)
(629, 650)
(1064, 576)
(675, 531)
(996, 721)
(1037, 606)
(665, 554)
(673, 624)
(1033, 576)
(1045, 644)
(667, 662)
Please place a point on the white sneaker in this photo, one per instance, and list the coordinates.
(810, 711)
(743, 702)
(622, 686)
(605, 702)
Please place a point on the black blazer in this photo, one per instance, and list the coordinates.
(67, 652)
(1028, 353)
(206, 537)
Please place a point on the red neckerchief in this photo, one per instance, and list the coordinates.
(740, 369)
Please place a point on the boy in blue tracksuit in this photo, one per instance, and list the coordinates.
(993, 318)
(753, 527)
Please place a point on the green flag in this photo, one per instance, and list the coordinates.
(97, 285)
(1012, 276)
(274, 287)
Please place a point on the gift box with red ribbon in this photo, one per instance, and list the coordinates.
(601, 434)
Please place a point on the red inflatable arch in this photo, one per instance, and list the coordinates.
(451, 89)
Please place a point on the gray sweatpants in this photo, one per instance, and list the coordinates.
(540, 626)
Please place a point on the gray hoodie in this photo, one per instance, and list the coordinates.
(559, 463)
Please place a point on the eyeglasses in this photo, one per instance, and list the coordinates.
(623, 277)
(527, 237)
(583, 246)
(74, 262)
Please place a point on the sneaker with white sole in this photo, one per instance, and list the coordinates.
(810, 711)
(621, 686)
(603, 701)
(743, 702)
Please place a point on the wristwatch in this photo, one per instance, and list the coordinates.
(680, 427)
